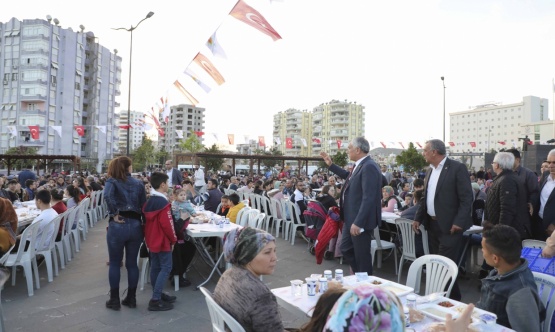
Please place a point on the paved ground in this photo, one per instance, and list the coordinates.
(74, 301)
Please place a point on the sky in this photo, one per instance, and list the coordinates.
(386, 55)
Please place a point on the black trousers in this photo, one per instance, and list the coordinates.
(448, 245)
(356, 249)
(182, 256)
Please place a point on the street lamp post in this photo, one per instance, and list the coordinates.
(443, 81)
(149, 15)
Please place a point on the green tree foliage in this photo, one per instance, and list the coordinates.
(213, 163)
(340, 158)
(411, 159)
(192, 144)
(269, 163)
(144, 155)
(23, 150)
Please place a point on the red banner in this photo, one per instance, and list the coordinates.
(252, 17)
(230, 139)
(472, 144)
(339, 144)
(288, 143)
(501, 142)
(205, 64)
(316, 140)
(261, 141)
(199, 133)
(80, 130)
(383, 144)
(452, 144)
(34, 132)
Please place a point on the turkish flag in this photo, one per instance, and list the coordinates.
(316, 140)
(501, 142)
(339, 144)
(34, 132)
(252, 17)
(161, 132)
(453, 144)
(261, 141)
(125, 126)
(205, 64)
(472, 144)
(288, 143)
(383, 144)
(230, 139)
(530, 142)
(199, 133)
(80, 130)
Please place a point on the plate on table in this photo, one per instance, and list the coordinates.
(437, 311)
(398, 289)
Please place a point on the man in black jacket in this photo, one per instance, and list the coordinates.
(506, 201)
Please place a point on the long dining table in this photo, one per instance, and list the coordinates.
(431, 307)
(26, 213)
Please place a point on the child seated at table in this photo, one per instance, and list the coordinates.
(180, 204)
(224, 207)
(183, 251)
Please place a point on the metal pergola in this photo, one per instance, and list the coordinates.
(42, 160)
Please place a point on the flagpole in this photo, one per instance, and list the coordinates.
(553, 104)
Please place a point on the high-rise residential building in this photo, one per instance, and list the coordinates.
(57, 79)
(185, 120)
(136, 131)
(496, 126)
(328, 126)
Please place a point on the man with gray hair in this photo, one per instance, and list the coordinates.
(360, 201)
(446, 206)
(506, 200)
(546, 199)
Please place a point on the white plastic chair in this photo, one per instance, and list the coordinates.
(59, 245)
(26, 258)
(49, 253)
(286, 217)
(219, 317)
(80, 224)
(71, 219)
(266, 207)
(274, 206)
(144, 265)
(241, 219)
(378, 245)
(533, 244)
(256, 221)
(296, 221)
(439, 270)
(5, 256)
(251, 217)
(546, 290)
(91, 213)
(409, 245)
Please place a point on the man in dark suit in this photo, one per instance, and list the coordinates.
(360, 204)
(546, 213)
(175, 176)
(446, 205)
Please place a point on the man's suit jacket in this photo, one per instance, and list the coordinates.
(360, 198)
(549, 209)
(177, 177)
(453, 198)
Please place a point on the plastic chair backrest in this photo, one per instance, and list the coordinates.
(285, 214)
(546, 290)
(408, 236)
(219, 317)
(251, 217)
(241, 219)
(439, 270)
(296, 212)
(54, 223)
(29, 235)
(533, 244)
(260, 220)
(274, 206)
(83, 207)
(70, 219)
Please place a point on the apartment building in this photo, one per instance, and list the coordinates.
(183, 120)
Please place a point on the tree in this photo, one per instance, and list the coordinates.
(269, 163)
(192, 144)
(411, 160)
(213, 163)
(144, 155)
(340, 158)
(23, 150)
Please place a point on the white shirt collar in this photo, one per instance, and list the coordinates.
(157, 193)
(440, 165)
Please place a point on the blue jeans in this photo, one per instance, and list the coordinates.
(160, 268)
(128, 236)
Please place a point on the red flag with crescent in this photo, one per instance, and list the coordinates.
(472, 144)
(80, 130)
(338, 144)
(34, 132)
(252, 17)
(199, 133)
(125, 127)
(316, 140)
(453, 143)
(205, 64)
(161, 132)
(501, 142)
(383, 144)
(288, 143)
(261, 141)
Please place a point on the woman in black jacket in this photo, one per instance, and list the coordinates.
(326, 197)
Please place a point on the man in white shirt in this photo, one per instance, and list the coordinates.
(46, 229)
(199, 179)
(247, 188)
(546, 213)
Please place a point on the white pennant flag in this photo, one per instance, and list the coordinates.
(58, 130)
(246, 139)
(12, 130)
(277, 140)
(330, 142)
(372, 144)
(514, 144)
(304, 142)
(102, 129)
(179, 133)
(216, 137)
